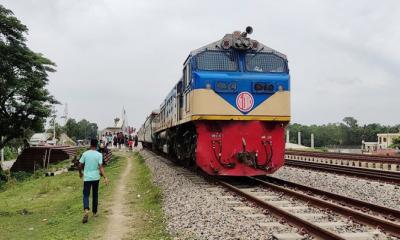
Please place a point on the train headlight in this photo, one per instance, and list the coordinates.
(269, 87)
(254, 44)
(225, 86)
(238, 43)
(259, 87)
(245, 43)
(262, 87)
(222, 86)
(232, 86)
(226, 44)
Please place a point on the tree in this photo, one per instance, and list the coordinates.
(395, 143)
(350, 122)
(25, 103)
(348, 133)
(80, 130)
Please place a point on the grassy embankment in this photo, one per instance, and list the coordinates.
(145, 202)
(51, 207)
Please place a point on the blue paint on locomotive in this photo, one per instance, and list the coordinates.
(245, 82)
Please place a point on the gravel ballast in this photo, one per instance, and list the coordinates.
(384, 194)
(194, 209)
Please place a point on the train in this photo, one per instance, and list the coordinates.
(228, 112)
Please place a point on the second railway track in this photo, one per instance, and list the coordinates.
(379, 175)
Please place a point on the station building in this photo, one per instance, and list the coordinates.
(120, 125)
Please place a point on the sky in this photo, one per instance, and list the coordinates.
(344, 56)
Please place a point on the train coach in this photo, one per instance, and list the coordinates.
(227, 114)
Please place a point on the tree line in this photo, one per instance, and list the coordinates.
(80, 130)
(344, 134)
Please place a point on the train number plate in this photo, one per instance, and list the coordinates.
(244, 101)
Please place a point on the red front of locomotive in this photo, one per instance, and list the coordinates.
(240, 148)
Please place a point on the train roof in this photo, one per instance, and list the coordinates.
(217, 46)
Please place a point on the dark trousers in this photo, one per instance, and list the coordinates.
(95, 194)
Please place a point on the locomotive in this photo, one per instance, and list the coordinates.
(228, 112)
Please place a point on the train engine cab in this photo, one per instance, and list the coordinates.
(228, 113)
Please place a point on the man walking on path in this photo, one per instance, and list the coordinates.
(92, 164)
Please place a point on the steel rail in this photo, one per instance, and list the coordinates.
(387, 226)
(387, 176)
(386, 212)
(311, 228)
(346, 156)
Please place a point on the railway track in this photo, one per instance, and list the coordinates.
(331, 205)
(345, 156)
(321, 214)
(385, 163)
(378, 175)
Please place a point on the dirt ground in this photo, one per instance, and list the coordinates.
(119, 214)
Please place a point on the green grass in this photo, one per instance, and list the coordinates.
(41, 207)
(51, 207)
(145, 201)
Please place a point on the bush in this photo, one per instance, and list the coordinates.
(80, 151)
(3, 177)
(21, 175)
(10, 153)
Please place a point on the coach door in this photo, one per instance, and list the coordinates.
(179, 100)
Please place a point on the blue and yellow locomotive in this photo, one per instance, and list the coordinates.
(228, 112)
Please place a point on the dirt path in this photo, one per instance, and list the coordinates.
(116, 226)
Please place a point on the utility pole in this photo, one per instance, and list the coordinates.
(312, 140)
(299, 138)
(54, 124)
(287, 136)
(65, 116)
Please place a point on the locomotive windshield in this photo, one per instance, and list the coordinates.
(265, 62)
(217, 61)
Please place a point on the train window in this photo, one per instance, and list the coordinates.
(217, 61)
(186, 75)
(265, 62)
(187, 102)
(187, 78)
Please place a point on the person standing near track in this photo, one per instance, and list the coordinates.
(92, 164)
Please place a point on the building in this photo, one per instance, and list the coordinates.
(120, 125)
(39, 139)
(382, 145)
(369, 146)
(386, 139)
